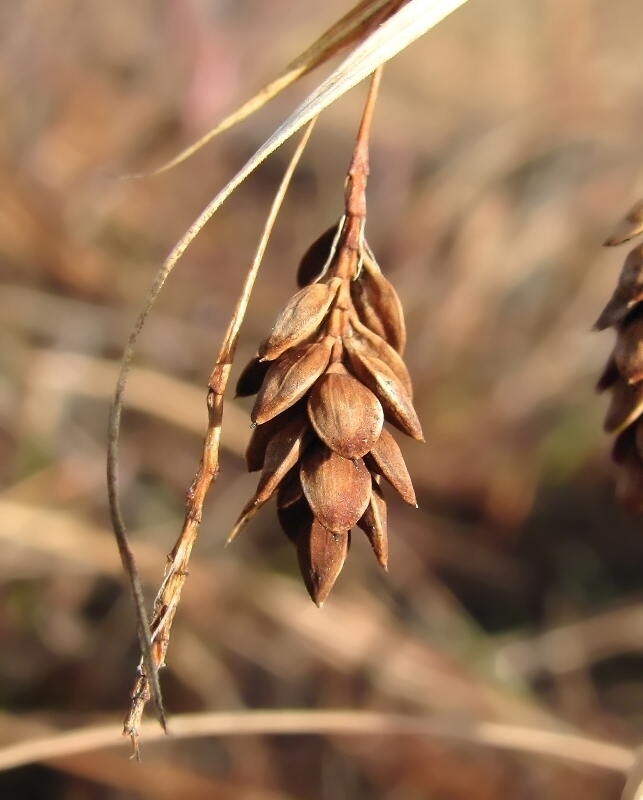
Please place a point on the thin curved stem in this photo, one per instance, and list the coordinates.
(559, 745)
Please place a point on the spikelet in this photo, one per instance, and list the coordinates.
(623, 374)
(335, 376)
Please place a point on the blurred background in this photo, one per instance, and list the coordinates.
(506, 146)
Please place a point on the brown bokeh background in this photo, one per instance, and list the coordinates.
(507, 143)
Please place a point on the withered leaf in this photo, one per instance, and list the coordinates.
(628, 292)
(625, 406)
(361, 341)
(630, 227)
(337, 490)
(283, 452)
(373, 523)
(386, 458)
(289, 378)
(379, 307)
(344, 413)
(628, 352)
(314, 259)
(382, 381)
(301, 317)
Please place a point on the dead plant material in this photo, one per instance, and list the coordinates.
(623, 374)
(336, 375)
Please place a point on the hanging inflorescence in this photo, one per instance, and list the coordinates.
(328, 376)
(623, 374)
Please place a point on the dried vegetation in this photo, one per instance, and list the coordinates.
(513, 591)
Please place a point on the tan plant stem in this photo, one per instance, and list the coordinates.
(169, 594)
(350, 240)
(562, 745)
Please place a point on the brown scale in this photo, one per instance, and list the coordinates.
(623, 374)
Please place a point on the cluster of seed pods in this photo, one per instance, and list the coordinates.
(327, 378)
(623, 374)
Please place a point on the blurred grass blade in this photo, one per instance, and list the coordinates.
(634, 787)
(402, 29)
(350, 28)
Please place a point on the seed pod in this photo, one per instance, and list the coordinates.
(373, 523)
(283, 452)
(262, 434)
(290, 491)
(344, 413)
(337, 490)
(361, 341)
(382, 381)
(386, 459)
(610, 375)
(249, 510)
(379, 307)
(321, 553)
(628, 353)
(314, 259)
(300, 318)
(625, 406)
(629, 482)
(630, 227)
(251, 377)
(628, 292)
(289, 378)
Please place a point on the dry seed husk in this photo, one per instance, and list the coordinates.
(628, 292)
(386, 386)
(262, 434)
(321, 556)
(373, 523)
(630, 227)
(295, 518)
(362, 341)
(289, 378)
(609, 377)
(344, 413)
(321, 553)
(251, 377)
(629, 481)
(628, 352)
(379, 307)
(290, 491)
(386, 459)
(337, 490)
(284, 450)
(625, 406)
(249, 510)
(300, 318)
(314, 259)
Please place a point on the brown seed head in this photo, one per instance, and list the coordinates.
(623, 374)
(335, 374)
